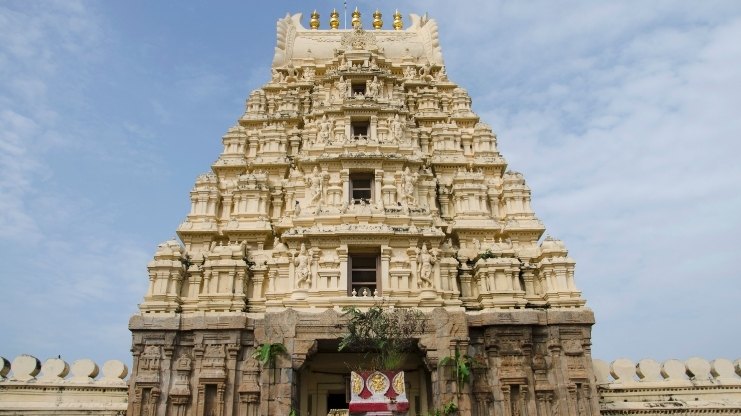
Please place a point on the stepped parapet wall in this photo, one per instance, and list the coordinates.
(695, 386)
(28, 387)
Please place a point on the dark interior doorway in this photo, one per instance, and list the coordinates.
(336, 401)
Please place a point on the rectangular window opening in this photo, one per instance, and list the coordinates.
(358, 89)
(363, 274)
(209, 405)
(361, 188)
(359, 129)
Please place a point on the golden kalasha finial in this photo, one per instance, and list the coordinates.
(314, 22)
(398, 24)
(356, 23)
(334, 19)
(377, 22)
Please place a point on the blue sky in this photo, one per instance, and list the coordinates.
(623, 117)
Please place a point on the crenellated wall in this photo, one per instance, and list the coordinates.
(28, 387)
(692, 387)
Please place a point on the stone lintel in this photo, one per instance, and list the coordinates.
(181, 322)
(530, 317)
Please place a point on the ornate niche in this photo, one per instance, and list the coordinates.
(579, 389)
(179, 394)
(512, 351)
(249, 389)
(212, 381)
(146, 384)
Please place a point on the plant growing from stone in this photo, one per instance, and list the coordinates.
(448, 409)
(266, 354)
(462, 364)
(389, 332)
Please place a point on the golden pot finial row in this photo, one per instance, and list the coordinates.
(314, 22)
(356, 23)
(334, 20)
(377, 22)
(398, 24)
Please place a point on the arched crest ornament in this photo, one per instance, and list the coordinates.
(359, 39)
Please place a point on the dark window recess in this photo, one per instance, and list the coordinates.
(361, 189)
(363, 274)
(359, 128)
(209, 405)
(358, 89)
(336, 401)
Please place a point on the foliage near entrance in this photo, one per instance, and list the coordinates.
(462, 364)
(390, 332)
(266, 353)
(448, 409)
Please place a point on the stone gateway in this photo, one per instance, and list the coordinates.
(360, 176)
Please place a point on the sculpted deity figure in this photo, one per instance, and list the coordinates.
(303, 272)
(409, 72)
(294, 173)
(325, 130)
(277, 76)
(343, 88)
(373, 88)
(442, 74)
(278, 246)
(314, 182)
(409, 182)
(397, 128)
(292, 72)
(426, 72)
(424, 267)
(372, 64)
(309, 73)
(342, 66)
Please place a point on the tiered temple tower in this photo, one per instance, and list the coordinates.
(359, 175)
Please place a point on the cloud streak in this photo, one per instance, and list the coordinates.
(622, 116)
(623, 120)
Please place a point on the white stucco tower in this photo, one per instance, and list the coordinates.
(359, 175)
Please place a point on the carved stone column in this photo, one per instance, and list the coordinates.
(385, 268)
(342, 255)
(277, 196)
(345, 178)
(377, 188)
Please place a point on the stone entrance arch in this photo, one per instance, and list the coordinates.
(326, 373)
(316, 369)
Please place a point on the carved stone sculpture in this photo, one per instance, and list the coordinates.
(303, 267)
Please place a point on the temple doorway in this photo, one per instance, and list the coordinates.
(336, 400)
(325, 379)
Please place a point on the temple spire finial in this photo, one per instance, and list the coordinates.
(314, 22)
(334, 19)
(356, 22)
(377, 22)
(398, 24)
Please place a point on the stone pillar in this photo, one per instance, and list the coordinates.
(385, 266)
(257, 298)
(226, 207)
(342, 255)
(277, 195)
(377, 186)
(414, 282)
(345, 178)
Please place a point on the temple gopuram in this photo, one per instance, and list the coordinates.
(359, 176)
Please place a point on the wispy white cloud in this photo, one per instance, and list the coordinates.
(623, 119)
(621, 115)
(63, 278)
